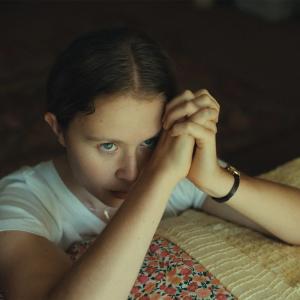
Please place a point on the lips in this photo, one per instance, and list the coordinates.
(121, 195)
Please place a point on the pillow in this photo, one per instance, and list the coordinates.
(249, 264)
(288, 173)
(168, 273)
(195, 256)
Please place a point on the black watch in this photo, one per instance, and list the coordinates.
(236, 174)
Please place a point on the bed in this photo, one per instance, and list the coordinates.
(199, 256)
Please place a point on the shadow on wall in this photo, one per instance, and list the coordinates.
(250, 66)
(269, 10)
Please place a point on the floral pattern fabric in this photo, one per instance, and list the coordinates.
(168, 273)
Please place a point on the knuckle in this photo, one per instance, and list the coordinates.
(215, 112)
(188, 105)
(188, 125)
(207, 112)
(194, 118)
(201, 91)
(206, 98)
(188, 93)
(214, 127)
(180, 126)
(176, 125)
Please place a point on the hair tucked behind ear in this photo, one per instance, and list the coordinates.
(108, 61)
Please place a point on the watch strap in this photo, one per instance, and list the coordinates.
(236, 175)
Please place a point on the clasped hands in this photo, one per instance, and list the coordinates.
(197, 114)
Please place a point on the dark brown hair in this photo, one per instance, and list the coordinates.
(108, 61)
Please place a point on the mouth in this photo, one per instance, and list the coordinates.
(120, 195)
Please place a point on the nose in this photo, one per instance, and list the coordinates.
(129, 169)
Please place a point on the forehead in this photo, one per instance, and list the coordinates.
(123, 117)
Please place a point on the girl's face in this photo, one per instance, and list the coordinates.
(107, 150)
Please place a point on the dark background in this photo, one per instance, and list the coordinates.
(248, 61)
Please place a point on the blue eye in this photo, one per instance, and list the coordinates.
(107, 147)
(151, 143)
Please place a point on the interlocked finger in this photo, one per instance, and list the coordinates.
(212, 126)
(204, 115)
(186, 109)
(191, 111)
(205, 92)
(193, 129)
(187, 105)
(185, 96)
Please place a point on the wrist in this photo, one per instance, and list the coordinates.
(221, 184)
(236, 175)
(163, 177)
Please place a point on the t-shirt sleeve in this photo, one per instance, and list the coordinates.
(20, 209)
(184, 196)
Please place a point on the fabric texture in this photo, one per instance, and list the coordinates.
(210, 257)
(167, 273)
(251, 265)
(35, 200)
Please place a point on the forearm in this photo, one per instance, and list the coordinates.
(273, 206)
(110, 267)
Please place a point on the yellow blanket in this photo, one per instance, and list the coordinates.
(249, 264)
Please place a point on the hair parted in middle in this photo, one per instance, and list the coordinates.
(115, 60)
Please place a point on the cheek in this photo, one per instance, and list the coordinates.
(144, 158)
(90, 168)
(94, 170)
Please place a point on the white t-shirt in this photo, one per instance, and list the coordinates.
(35, 199)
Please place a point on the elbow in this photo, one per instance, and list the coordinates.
(291, 240)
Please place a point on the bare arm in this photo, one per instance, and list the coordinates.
(272, 206)
(31, 267)
(110, 266)
(117, 255)
(224, 211)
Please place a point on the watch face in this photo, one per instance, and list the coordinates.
(236, 174)
(233, 170)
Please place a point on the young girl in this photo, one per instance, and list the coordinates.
(136, 150)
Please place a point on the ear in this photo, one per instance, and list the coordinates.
(50, 118)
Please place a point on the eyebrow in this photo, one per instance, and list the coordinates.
(97, 139)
